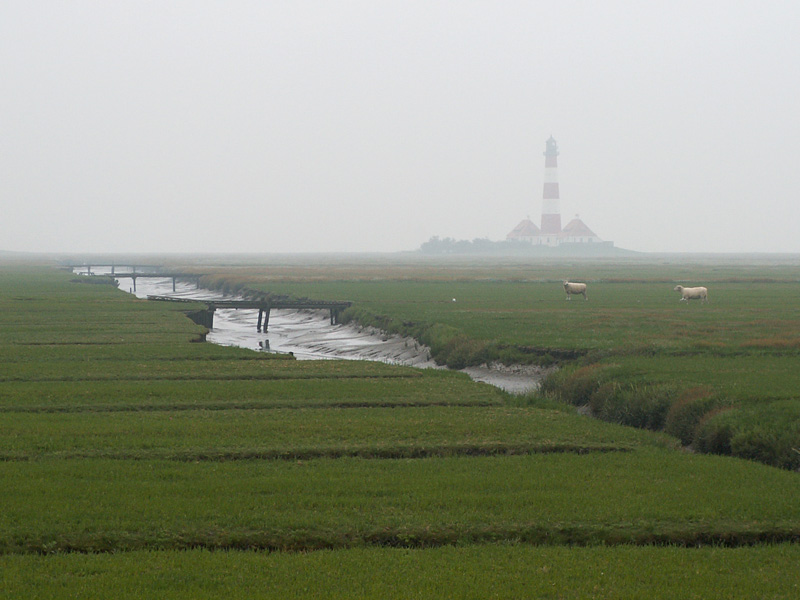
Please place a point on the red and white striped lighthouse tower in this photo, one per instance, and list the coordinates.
(551, 210)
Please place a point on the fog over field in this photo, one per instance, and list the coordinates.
(371, 126)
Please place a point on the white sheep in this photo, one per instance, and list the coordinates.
(575, 288)
(695, 293)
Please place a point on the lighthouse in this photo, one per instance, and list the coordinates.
(551, 234)
(551, 209)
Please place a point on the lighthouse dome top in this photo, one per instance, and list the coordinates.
(551, 147)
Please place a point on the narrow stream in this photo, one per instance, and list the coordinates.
(308, 335)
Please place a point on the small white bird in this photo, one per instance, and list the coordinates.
(454, 299)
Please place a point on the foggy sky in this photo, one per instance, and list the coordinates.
(196, 126)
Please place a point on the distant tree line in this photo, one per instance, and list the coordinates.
(441, 246)
(437, 245)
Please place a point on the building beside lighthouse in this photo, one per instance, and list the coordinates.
(550, 233)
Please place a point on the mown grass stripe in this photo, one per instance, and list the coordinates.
(473, 571)
(644, 496)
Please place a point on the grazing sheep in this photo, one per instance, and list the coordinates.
(695, 293)
(575, 288)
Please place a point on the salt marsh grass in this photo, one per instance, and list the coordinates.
(129, 451)
(202, 434)
(467, 572)
(743, 345)
(645, 496)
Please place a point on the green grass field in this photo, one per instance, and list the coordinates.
(296, 432)
(129, 452)
(94, 505)
(451, 572)
(743, 345)
(619, 317)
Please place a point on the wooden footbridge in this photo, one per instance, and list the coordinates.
(171, 275)
(206, 317)
(112, 266)
(135, 272)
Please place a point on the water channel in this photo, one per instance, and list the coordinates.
(308, 335)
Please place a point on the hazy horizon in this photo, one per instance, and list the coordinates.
(240, 127)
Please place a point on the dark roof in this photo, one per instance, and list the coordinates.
(526, 228)
(577, 228)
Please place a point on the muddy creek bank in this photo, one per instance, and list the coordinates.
(308, 334)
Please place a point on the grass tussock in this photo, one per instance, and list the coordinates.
(687, 411)
(574, 386)
(698, 416)
(769, 434)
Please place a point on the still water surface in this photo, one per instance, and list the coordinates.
(309, 335)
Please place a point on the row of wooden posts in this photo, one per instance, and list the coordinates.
(133, 274)
(206, 317)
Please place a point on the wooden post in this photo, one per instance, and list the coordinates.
(266, 318)
(332, 316)
(134, 283)
(260, 313)
(173, 284)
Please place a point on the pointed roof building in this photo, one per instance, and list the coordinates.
(526, 231)
(577, 231)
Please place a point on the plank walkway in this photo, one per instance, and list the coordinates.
(133, 274)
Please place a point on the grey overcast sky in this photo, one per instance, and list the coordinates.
(286, 126)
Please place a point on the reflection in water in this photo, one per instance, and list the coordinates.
(308, 335)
